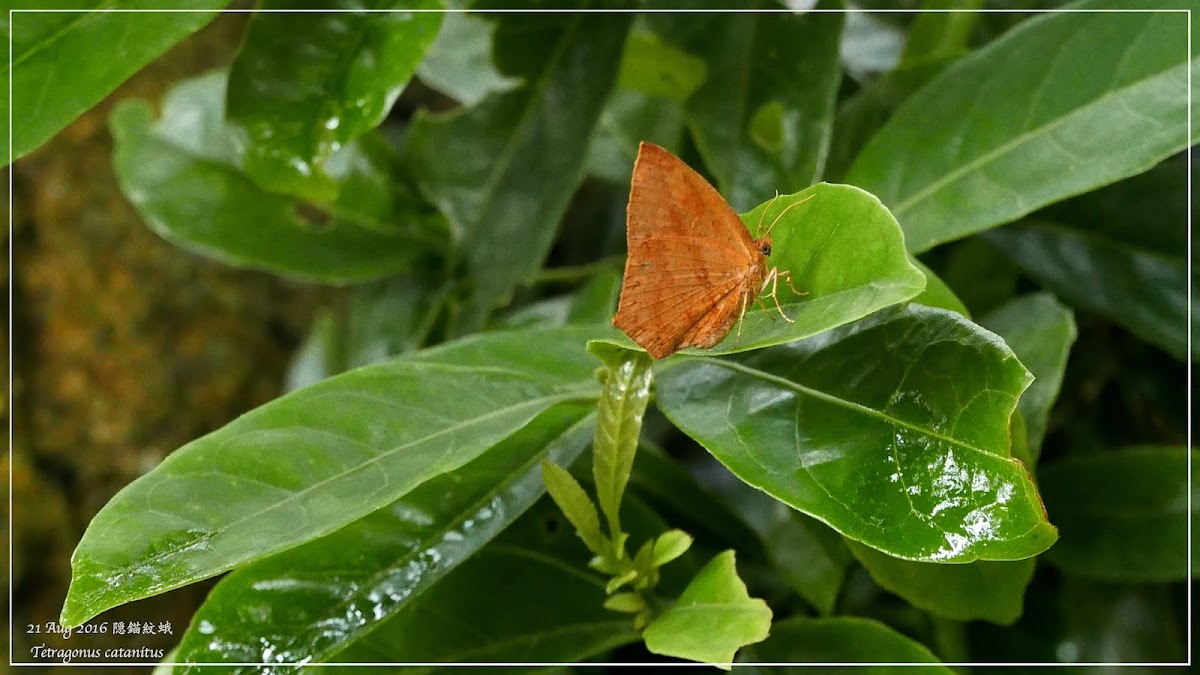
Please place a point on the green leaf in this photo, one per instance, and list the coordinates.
(985, 589)
(506, 190)
(674, 492)
(763, 117)
(596, 302)
(317, 459)
(981, 276)
(1145, 211)
(526, 597)
(937, 293)
(629, 603)
(845, 639)
(576, 506)
(1121, 623)
(1144, 291)
(842, 248)
(863, 428)
(940, 35)
(318, 599)
(712, 619)
(655, 68)
(1018, 437)
(1107, 99)
(1123, 514)
(629, 118)
(861, 114)
(182, 174)
(810, 556)
(669, 546)
(306, 84)
(379, 321)
(459, 62)
(623, 399)
(1040, 331)
(63, 63)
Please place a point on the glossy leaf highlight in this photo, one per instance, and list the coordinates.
(864, 428)
(182, 173)
(536, 565)
(317, 459)
(316, 600)
(306, 84)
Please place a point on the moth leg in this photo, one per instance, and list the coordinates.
(772, 280)
(787, 276)
(741, 319)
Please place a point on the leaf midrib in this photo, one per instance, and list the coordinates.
(508, 153)
(436, 536)
(71, 25)
(970, 167)
(857, 407)
(125, 570)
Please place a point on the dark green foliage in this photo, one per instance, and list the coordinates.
(916, 444)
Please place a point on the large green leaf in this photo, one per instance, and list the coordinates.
(842, 248)
(1003, 132)
(317, 459)
(1040, 332)
(64, 62)
(526, 597)
(505, 191)
(1143, 290)
(985, 589)
(183, 175)
(306, 84)
(319, 598)
(893, 430)
(1124, 514)
(764, 115)
(845, 639)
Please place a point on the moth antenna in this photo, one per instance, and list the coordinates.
(776, 221)
(758, 228)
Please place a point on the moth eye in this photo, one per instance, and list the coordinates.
(765, 247)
